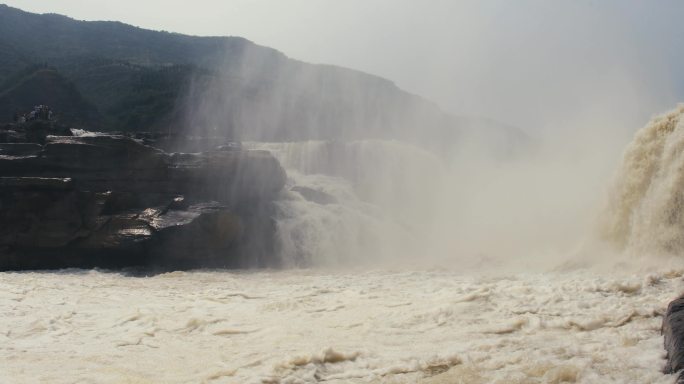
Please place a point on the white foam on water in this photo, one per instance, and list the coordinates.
(307, 326)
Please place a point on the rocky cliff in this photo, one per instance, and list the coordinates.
(111, 201)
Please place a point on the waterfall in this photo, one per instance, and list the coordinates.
(646, 205)
(347, 202)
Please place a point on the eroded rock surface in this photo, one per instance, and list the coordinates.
(673, 332)
(110, 201)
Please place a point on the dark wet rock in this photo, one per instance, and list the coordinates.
(20, 149)
(111, 201)
(181, 143)
(673, 332)
(32, 132)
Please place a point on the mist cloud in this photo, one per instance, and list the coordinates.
(535, 64)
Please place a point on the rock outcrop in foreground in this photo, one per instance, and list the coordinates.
(673, 332)
(110, 201)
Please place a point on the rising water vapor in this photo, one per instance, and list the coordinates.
(378, 175)
(357, 200)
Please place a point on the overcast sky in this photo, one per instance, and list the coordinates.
(535, 64)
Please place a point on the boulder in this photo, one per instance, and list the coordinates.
(673, 332)
(110, 201)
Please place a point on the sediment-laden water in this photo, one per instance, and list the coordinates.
(306, 326)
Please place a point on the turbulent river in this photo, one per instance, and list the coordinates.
(397, 268)
(307, 326)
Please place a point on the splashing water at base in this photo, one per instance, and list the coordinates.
(388, 202)
(350, 202)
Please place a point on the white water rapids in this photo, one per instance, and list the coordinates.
(379, 303)
(351, 202)
(308, 326)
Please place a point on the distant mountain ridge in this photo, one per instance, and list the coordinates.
(131, 79)
(57, 36)
(111, 64)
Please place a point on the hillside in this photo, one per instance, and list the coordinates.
(138, 79)
(40, 85)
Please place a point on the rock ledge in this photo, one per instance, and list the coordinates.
(110, 201)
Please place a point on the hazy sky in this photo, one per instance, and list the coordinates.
(535, 64)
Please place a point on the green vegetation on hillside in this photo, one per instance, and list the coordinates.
(40, 85)
(112, 76)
